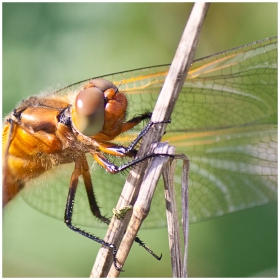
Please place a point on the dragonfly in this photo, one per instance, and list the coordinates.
(225, 121)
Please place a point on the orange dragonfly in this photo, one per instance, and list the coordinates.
(225, 121)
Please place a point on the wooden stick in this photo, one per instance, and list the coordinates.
(165, 104)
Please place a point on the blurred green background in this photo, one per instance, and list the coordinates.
(50, 44)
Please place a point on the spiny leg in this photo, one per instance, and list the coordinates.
(90, 194)
(114, 169)
(69, 210)
(143, 132)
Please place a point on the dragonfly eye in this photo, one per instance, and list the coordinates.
(102, 84)
(89, 111)
(106, 86)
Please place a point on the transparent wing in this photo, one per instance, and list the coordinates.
(225, 121)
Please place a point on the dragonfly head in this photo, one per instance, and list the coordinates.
(88, 112)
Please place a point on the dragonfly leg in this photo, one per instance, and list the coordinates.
(142, 244)
(112, 168)
(143, 132)
(90, 193)
(69, 211)
(115, 150)
(121, 151)
(136, 120)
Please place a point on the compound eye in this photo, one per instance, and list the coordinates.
(103, 84)
(89, 111)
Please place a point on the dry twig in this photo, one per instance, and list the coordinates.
(164, 107)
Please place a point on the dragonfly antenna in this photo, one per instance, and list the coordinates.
(119, 85)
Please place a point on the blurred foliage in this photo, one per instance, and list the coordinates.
(51, 44)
